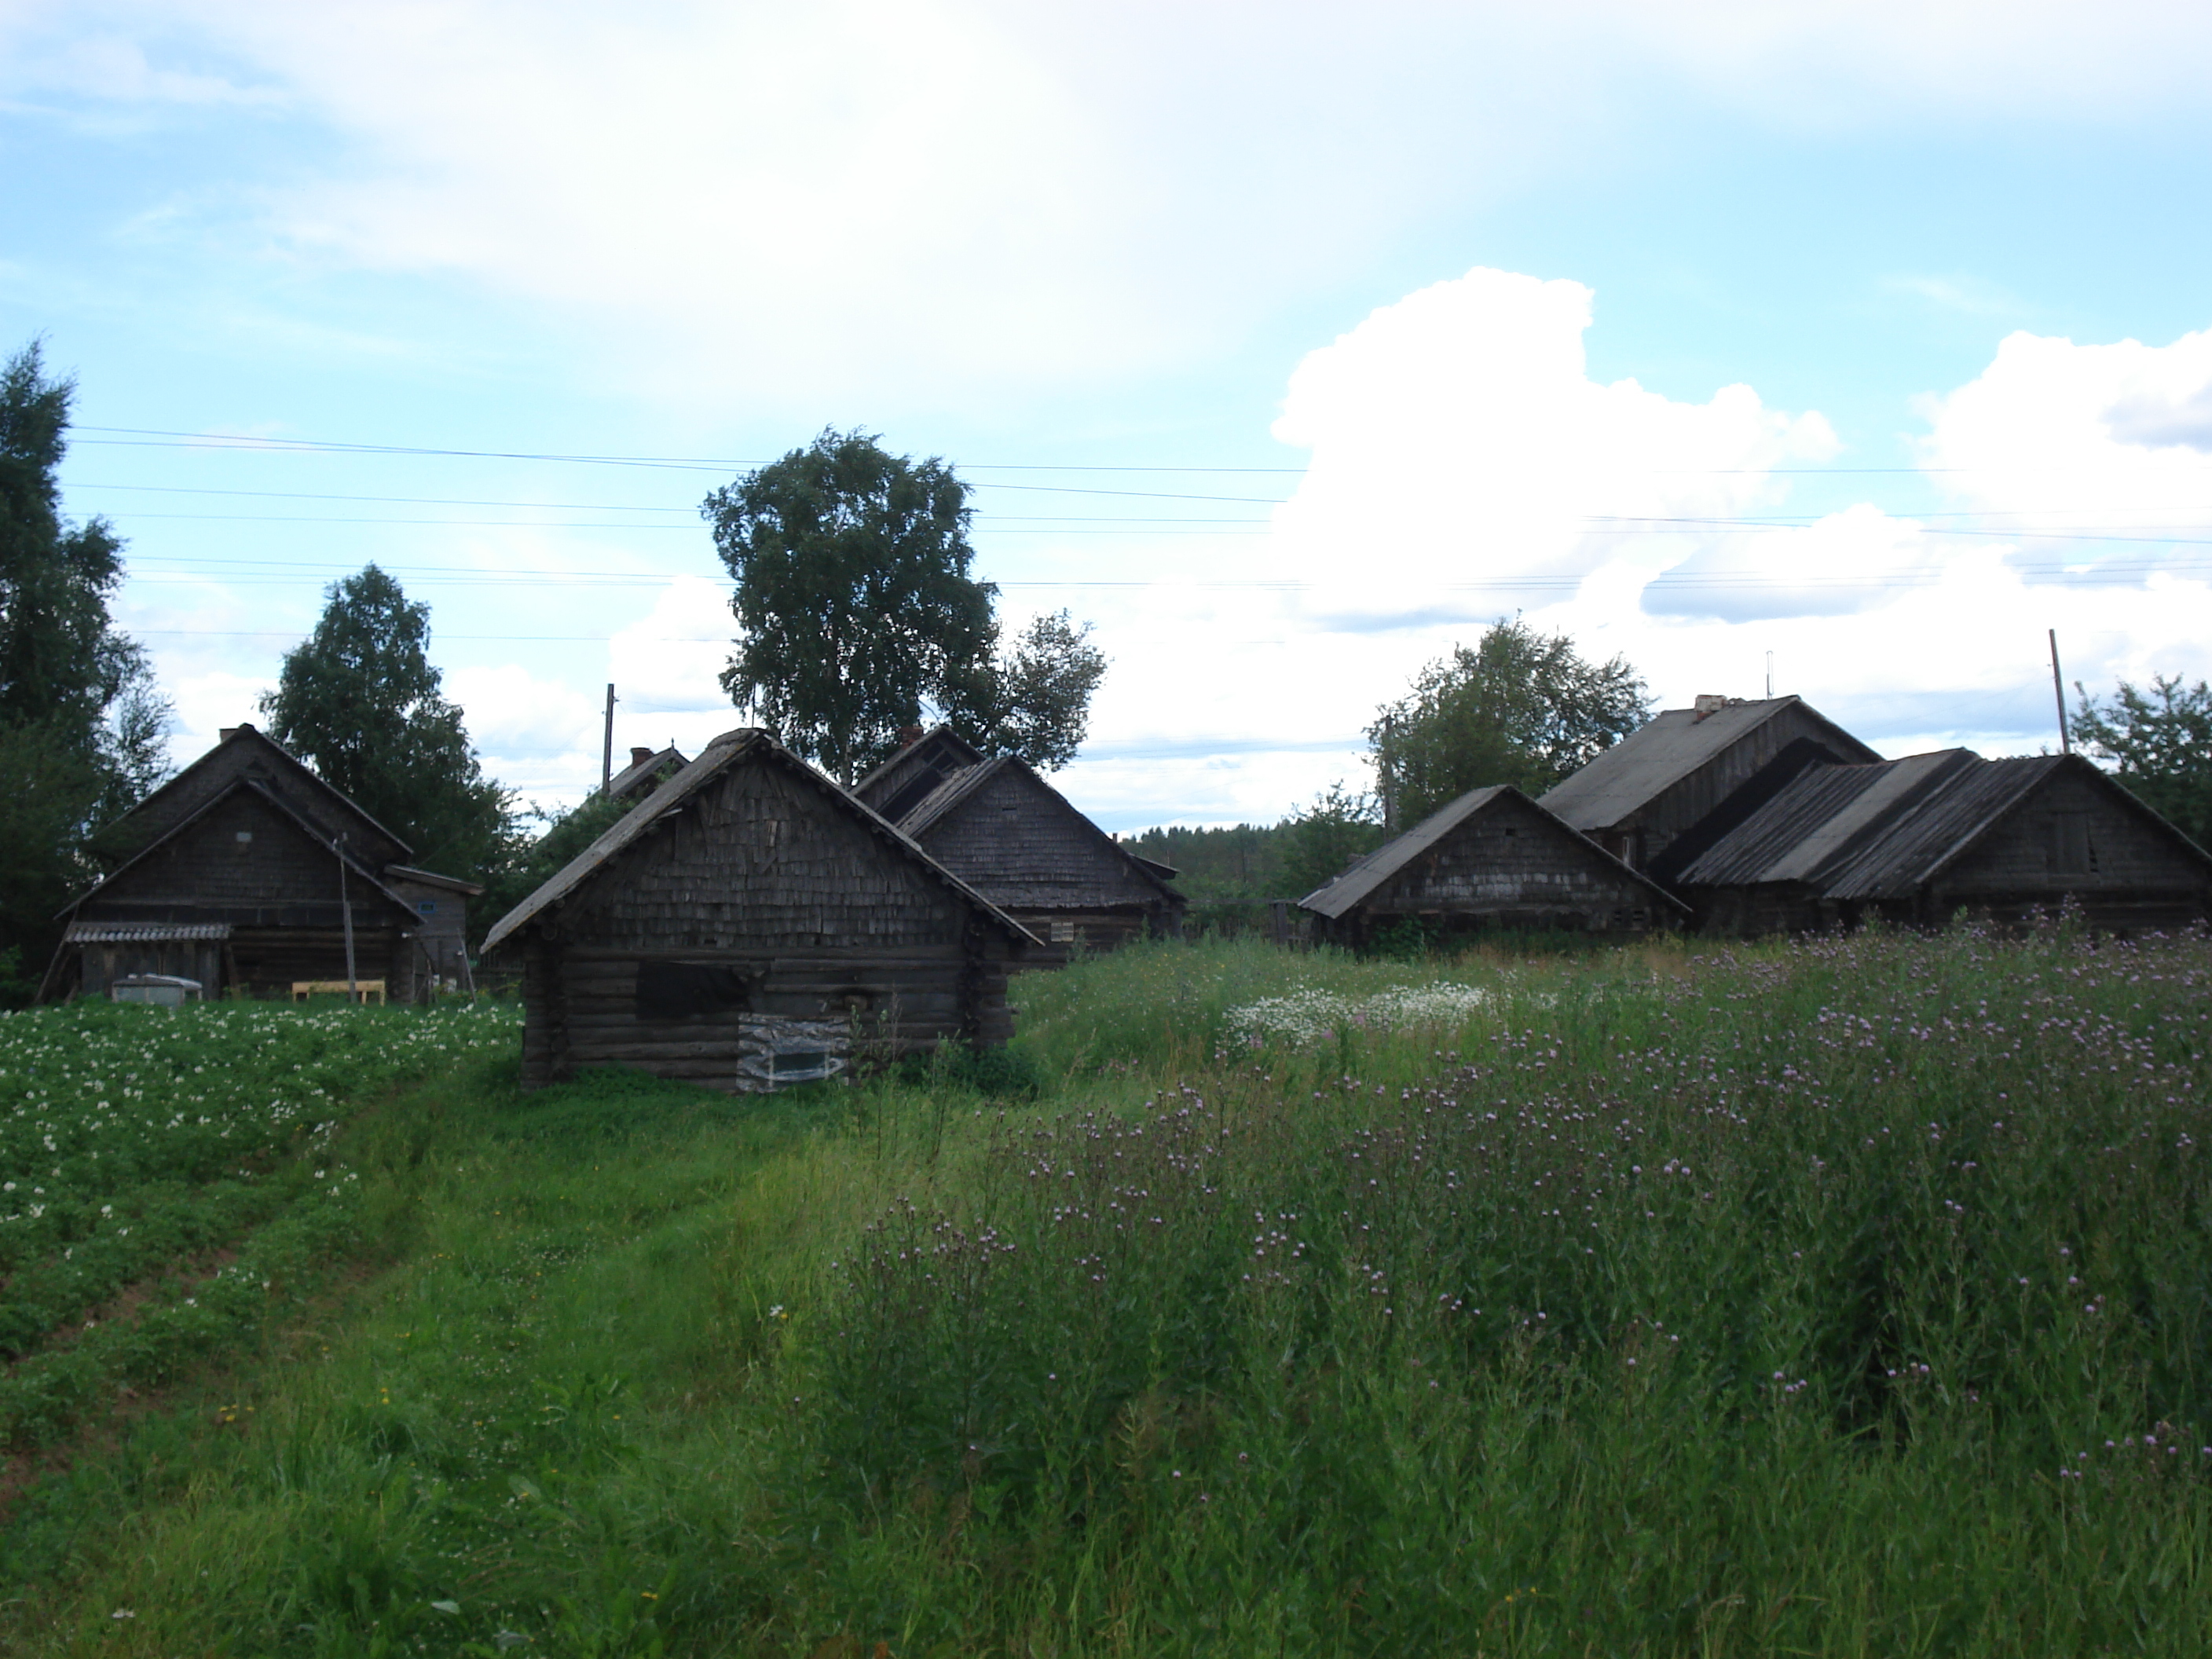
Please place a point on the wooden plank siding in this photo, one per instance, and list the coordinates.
(2073, 839)
(1494, 859)
(780, 894)
(1924, 839)
(245, 862)
(1025, 847)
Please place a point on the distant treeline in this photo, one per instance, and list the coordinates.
(1240, 863)
(1228, 867)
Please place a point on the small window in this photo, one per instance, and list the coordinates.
(245, 837)
(425, 907)
(679, 990)
(1063, 932)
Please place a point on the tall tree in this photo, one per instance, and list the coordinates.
(859, 613)
(1033, 698)
(358, 701)
(2159, 743)
(82, 724)
(1517, 707)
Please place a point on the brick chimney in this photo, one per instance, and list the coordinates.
(1706, 703)
(910, 735)
(639, 756)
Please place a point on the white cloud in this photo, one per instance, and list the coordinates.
(964, 199)
(1456, 437)
(2056, 435)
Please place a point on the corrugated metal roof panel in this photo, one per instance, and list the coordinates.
(1918, 841)
(1818, 817)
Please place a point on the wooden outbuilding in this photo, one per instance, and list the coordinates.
(1922, 840)
(1689, 774)
(1492, 858)
(749, 925)
(243, 873)
(1022, 845)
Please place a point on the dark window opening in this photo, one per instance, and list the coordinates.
(679, 990)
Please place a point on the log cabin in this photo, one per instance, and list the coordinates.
(243, 872)
(1022, 845)
(1930, 837)
(1690, 773)
(1492, 858)
(750, 925)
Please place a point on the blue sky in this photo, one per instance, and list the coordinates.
(1403, 265)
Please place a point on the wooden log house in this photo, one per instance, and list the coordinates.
(1492, 858)
(1022, 845)
(1922, 840)
(1689, 774)
(242, 872)
(749, 925)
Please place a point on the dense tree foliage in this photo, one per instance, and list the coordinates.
(1033, 698)
(82, 727)
(2159, 743)
(1320, 840)
(1517, 707)
(359, 702)
(860, 616)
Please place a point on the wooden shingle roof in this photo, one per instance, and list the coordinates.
(729, 749)
(1367, 876)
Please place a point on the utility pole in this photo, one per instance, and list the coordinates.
(607, 754)
(345, 910)
(2058, 689)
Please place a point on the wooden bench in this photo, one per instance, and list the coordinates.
(364, 989)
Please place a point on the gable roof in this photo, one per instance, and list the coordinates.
(1366, 876)
(716, 758)
(950, 796)
(899, 784)
(1815, 819)
(243, 744)
(269, 797)
(1668, 748)
(1883, 831)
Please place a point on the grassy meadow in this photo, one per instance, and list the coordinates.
(1848, 1297)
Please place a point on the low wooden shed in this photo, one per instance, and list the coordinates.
(1921, 839)
(244, 871)
(748, 925)
(1492, 858)
(1022, 845)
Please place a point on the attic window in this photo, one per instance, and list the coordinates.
(245, 837)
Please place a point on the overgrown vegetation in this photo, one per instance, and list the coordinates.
(1834, 1297)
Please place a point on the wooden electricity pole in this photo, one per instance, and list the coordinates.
(607, 754)
(2058, 689)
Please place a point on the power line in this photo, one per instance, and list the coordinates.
(692, 510)
(170, 438)
(327, 446)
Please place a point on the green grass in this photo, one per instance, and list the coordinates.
(1643, 1303)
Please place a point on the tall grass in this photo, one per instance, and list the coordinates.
(1843, 1296)
(1849, 1297)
